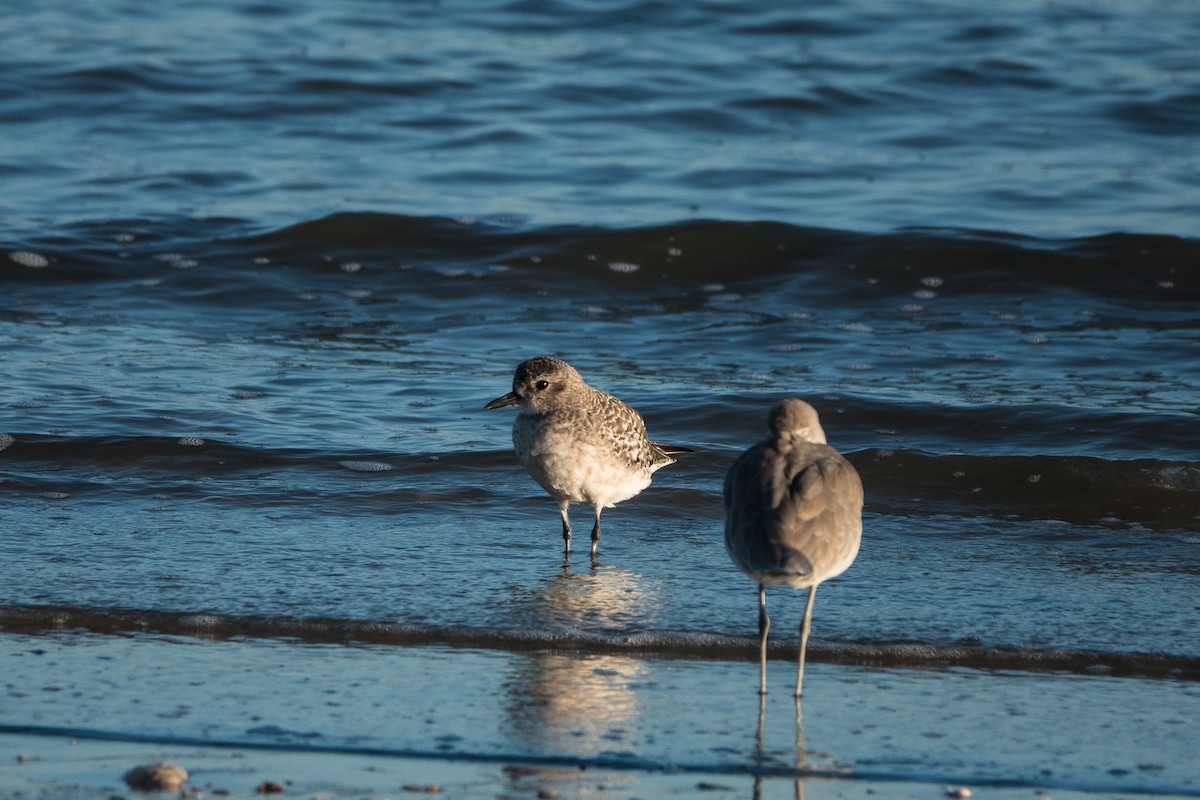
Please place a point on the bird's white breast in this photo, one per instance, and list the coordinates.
(574, 462)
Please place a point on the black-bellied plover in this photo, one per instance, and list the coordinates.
(793, 515)
(580, 444)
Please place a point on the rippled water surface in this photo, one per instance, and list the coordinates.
(262, 265)
(1039, 118)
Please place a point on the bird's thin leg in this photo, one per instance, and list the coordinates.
(764, 625)
(562, 509)
(804, 627)
(596, 533)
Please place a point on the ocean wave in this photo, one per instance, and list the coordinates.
(659, 644)
(1157, 494)
(1129, 266)
(1084, 490)
(195, 456)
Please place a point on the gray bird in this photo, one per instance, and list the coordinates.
(793, 515)
(580, 444)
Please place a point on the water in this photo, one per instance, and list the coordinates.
(263, 265)
(1060, 119)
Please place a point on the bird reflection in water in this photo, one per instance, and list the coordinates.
(529, 781)
(584, 704)
(580, 704)
(764, 762)
(600, 600)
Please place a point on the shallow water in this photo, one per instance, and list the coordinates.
(262, 267)
(269, 434)
(608, 711)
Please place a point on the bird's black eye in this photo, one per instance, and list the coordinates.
(540, 385)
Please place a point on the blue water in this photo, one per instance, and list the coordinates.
(1060, 119)
(263, 264)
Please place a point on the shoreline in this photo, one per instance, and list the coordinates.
(56, 768)
(344, 720)
(211, 626)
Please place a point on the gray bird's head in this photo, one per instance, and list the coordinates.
(795, 418)
(539, 384)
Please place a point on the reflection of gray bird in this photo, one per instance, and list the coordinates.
(793, 515)
(580, 444)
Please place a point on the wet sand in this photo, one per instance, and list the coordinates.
(60, 769)
(372, 721)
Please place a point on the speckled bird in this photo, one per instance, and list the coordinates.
(580, 444)
(793, 515)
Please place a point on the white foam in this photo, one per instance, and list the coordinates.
(28, 259)
(365, 466)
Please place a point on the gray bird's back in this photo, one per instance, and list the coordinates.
(793, 512)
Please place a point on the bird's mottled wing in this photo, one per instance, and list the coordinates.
(625, 429)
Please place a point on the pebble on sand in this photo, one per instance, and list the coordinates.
(958, 792)
(161, 777)
(269, 787)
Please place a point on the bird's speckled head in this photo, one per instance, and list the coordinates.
(540, 384)
(796, 418)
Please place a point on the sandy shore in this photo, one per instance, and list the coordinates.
(51, 768)
(80, 710)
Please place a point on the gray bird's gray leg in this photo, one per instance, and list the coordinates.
(804, 628)
(764, 625)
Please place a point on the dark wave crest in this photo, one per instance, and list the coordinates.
(1157, 494)
(1119, 265)
(1084, 490)
(664, 644)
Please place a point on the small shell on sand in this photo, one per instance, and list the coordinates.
(958, 792)
(161, 777)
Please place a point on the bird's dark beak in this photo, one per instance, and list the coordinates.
(510, 399)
